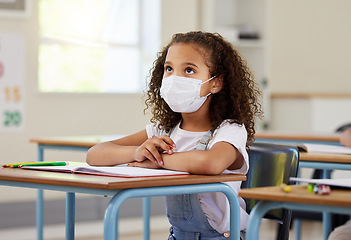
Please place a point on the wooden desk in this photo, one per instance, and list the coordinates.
(327, 162)
(109, 183)
(74, 141)
(121, 189)
(332, 138)
(83, 143)
(325, 158)
(339, 201)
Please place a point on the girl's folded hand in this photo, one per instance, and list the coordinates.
(152, 147)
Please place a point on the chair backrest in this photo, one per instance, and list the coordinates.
(270, 165)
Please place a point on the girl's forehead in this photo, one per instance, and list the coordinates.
(186, 51)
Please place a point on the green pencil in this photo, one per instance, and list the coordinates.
(38, 164)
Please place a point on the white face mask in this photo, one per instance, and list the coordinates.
(182, 94)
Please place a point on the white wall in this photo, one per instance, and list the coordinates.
(310, 114)
(75, 114)
(310, 46)
(310, 53)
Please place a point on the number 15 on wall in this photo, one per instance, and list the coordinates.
(11, 101)
(12, 72)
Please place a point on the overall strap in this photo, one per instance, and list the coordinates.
(205, 140)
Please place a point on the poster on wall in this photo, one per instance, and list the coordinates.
(11, 81)
(15, 8)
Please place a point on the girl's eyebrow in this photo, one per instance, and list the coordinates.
(185, 64)
(191, 64)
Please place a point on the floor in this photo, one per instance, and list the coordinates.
(131, 230)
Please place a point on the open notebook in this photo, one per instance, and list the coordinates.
(340, 182)
(324, 148)
(113, 171)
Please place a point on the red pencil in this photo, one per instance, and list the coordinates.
(166, 143)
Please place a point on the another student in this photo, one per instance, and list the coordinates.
(343, 232)
(200, 88)
(345, 137)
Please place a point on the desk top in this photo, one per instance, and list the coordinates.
(299, 194)
(75, 141)
(334, 137)
(110, 183)
(325, 157)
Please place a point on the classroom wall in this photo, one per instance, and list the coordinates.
(309, 59)
(310, 46)
(297, 63)
(75, 114)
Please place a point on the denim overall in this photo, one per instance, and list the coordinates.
(185, 213)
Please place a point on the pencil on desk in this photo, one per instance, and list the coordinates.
(50, 163)
(172, 147)
(285, 187)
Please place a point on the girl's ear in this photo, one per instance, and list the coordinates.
(217, 84)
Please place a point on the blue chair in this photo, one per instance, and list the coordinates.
(272, 165)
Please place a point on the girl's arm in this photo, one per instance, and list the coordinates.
(115, 152)
(211, 162)
(135, 147)
(214, 161)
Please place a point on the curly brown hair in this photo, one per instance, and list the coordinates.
(238, 100)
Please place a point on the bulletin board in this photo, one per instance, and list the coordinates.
(12, 69)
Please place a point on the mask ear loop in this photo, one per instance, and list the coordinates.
(208, 81)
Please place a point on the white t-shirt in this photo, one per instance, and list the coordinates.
(215, 205)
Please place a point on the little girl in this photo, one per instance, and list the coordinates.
(204, 102)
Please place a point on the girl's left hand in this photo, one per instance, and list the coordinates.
(145, 164)
(152, 148)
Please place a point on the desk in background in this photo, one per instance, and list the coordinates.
(121, 189)
(339, 201)
(75, 143)
(332, 139)
(325, 161)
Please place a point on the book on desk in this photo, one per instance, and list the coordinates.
(339, 182)
(111, 171)
(323, 148)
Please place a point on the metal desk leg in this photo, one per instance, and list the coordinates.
(146, 217)
(70, 215)
(39, 214)
(297, 222)
(326, 215)
(40, 201)
(255, 218)
(297, 226)
(112, 210)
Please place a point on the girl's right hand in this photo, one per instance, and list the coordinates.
(152, 148)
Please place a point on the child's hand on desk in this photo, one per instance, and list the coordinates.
(145, 164)
(152, 147)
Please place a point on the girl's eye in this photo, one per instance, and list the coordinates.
(168, 69)
(189, 71)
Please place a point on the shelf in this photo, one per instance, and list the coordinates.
(249, 43)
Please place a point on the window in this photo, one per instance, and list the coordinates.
(97, 45)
